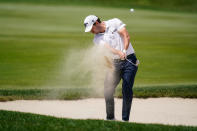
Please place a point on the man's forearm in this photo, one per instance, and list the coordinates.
(114, 51)
(126, 42)
(125, 35)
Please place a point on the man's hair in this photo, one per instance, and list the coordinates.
(99, 21)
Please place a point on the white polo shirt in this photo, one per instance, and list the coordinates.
(112, 37)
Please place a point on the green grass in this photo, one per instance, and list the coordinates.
(40, 94)
(175, 5)
(25, 121)
(183, 91)
(35, 40)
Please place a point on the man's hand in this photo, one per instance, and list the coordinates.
(122, 55)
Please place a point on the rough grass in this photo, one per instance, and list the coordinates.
(25, 121)
(39, 94)
(182, 91)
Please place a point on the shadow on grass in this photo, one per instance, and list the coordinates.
(18, 121)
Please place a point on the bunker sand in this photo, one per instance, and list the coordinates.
(173, 111)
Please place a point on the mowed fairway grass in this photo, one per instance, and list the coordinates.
(25, 121)
(35, 39)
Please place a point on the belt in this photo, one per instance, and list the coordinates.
(128, 56)
(132, 56)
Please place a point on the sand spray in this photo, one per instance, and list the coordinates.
(84, 68)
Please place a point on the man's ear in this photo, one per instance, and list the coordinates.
(97, 22)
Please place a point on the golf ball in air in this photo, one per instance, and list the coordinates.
(131, 10)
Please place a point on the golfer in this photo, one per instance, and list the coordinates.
(114, 36)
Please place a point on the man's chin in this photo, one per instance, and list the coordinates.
(97, 32)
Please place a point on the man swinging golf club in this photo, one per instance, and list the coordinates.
(114, 36)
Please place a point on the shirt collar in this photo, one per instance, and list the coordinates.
(106, 26)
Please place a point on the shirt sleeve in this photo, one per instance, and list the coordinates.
(118, 24)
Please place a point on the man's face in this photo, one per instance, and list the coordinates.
(96, 28)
